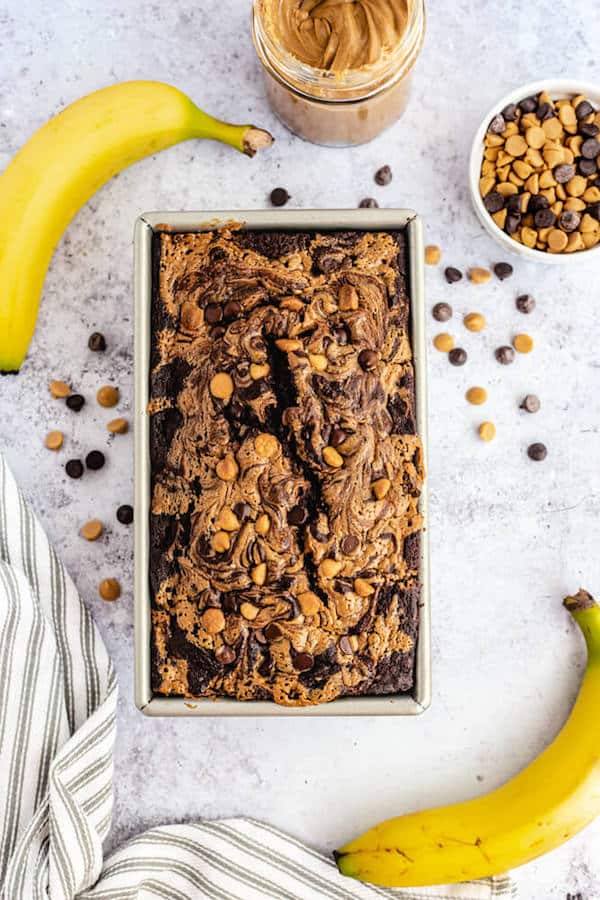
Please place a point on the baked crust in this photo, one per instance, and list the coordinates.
(286, 470)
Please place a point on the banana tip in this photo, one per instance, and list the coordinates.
(579, 601)
(256, 139)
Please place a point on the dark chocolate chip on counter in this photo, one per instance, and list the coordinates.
(213, 313)
(75, 402)
(368, 203)
(497, 125)
(303, 662)
(349, 543)
(457, 356)
(503, 270)
(452, 275)
(367, 360)
(569, 220)
(590, 148)
(383, 176)
(95, 460)
(510, 112)
(97, 342)
(297, 515)
(74, 468)
(537, 451)
(125, 514)
(505, 355)
(530, 403)
(493, 202)
(563, 173)
(525, 303)
(583, 110)
(441, 312)
(279, 196)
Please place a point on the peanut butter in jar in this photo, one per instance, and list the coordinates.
(338, 71)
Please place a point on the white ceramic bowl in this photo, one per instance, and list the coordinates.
(557, 88)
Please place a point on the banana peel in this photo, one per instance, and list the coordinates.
(552, 799)
(64, 163)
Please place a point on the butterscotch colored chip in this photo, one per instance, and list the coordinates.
(309, 603)
(557, 240)
(516, 145)
(507, 189)
(288, 345)
(220, 542)
(575, 204)
(381, 487)
(213, 620)
(528, 236)
(476, 395)
(547, 179)
(259, 574)
(227, 468)
(500, 217)
(533, 183)
(109, 589)
(590, 239)
(591, 195)
(258, 371)
(318, 361)
(485, 186)
(249, 611)
(474, 322)
(118, 426)
(566, 114)
(266, 445)
(329, 568)
(363, 588)
(523, 169)
(92, 530)
(108, 396)
(221, 386)
(535, 137)
(479, 276)
(576, 186)
(443, 342)
(262, 524)
(523, 343)
(59, 389)
(433, 255)
(552, 128)
(487, 431)
(54, 440)
(588, 223)
(332, 457)
(227, 520)
(575, 243)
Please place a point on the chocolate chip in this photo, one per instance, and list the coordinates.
(297, 515)
(452, 275)
(96, 342)
(529, 104)
(563, 173)
(303, 662)
(530, 403)
(497, 125)
(493, 202)
(217, 332)
(503, 270)
(545, 111)
(594, 210)
(513, 204)
(279, 196)
(441, 312)
(225, 655)
(213, 313)
(259, 636)
(232, 309)
(337, 436)
(537, 202)
(569, 220)
(125, 514)
(583, 109)
(341, 335)
(457, 356)
(265, 667)
(367, 360)
(510, 112)
(512, 223)
(383, 176)
(242, 511)
(505, 355)
(525, 303)
(318, 535)
(75, 402)
(589, 131)
(95, 460)
(272, 632)
(590, 148)
(368, 203)
(349, 543)
(587, 167)
(74, 468)
(537, 452)
(345, 645)
(544, 218)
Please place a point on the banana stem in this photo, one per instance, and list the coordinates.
(586, 613)
(245, 138)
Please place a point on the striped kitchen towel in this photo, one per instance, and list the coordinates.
(58, 695)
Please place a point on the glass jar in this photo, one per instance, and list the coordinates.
(338, 108)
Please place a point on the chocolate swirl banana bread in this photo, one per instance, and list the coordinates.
(286, 470)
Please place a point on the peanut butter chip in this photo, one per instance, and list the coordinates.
(249, 611)
(535, 137)
(433, 255)
(287, 345)
(381, 487)
(259, 371)
(523, 343)
(221, 386)
(332, 457)
(228, 520)
(262, 524)
(92, 530)
(516, 145)
(59, 389)
(266, 445)
(109, 589)
(54, 440)
(557, 240)
(220, 542)
(443, 342)
(118, 426)
(318, 361)
(227, 468)
(309, 603)
(108, 396)
(474, 322)
(329, 568)
(259, 574)
(363, 588)
(476, 395)
(478, 275)
(487, 431)
(213, 620)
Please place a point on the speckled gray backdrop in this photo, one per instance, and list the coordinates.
(509, 537)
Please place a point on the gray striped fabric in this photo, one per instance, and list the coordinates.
(58, 695)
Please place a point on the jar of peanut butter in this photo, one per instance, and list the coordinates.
(338, 71)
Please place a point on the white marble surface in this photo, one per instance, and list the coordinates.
(509, 537)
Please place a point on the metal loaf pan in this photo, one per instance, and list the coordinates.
(288, 220)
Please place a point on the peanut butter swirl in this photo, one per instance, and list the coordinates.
(286, 469)
(337, 35)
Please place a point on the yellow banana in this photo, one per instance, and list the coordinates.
(64, 163)
(552, 799)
